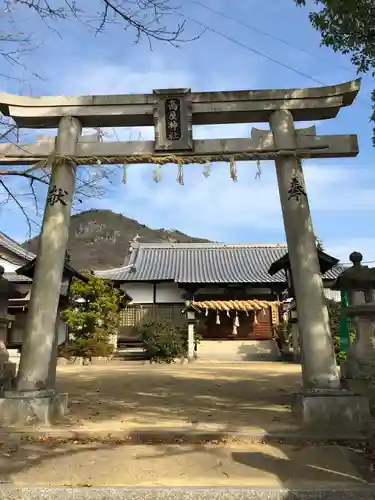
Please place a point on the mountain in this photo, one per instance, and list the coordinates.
(99, 239)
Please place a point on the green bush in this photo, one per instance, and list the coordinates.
(94, 346)
(163, 341)
(283, 332)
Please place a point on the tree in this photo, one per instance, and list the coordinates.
(25, 188)
(92, 317)
(149, 19)
(347, 26)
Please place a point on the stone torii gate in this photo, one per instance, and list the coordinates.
(172, 112)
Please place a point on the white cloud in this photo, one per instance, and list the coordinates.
(334, 187)
(211, 207)
(115, 79)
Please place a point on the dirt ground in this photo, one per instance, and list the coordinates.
(226, 398)
(214, 396)
(229, 464)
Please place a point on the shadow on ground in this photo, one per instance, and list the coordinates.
(226, 397)
(293, 466)
(19, 456)
(208, 464)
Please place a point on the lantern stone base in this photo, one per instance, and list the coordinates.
(364, 387)
(332, 411)
(7, 375)
(32, 407)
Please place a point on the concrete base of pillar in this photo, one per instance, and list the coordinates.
(297, 357)
(7, 375)
(364, 387)
(332, 411)
(32, 407)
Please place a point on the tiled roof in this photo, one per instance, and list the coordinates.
(28, 270)
(203, 263)
(15, 247)
(17, 278)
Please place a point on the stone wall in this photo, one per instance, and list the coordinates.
(238, 350)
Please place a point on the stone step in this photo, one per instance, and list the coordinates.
(129, 345)
(131, 353)
(219, 493)
(131, 350)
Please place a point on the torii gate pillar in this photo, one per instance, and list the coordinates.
(319, 369)
(33, 397)
(321, 403)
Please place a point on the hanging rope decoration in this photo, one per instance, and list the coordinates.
(259, 170)
(236, 324)
(157, 173)
(256, 318)
(185, 159)
(234, 329)
(234, 308)
(54, 160)
(207, 169)
(180, 174)
(233, 169)
(237, 320)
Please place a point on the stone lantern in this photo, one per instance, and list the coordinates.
(190, 312)
(326, 264)
(358, 371)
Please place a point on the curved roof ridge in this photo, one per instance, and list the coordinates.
(113, 269)
(15, 247)
(194, 244)
(204, 263)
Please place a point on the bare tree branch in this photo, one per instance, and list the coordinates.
(30, 190)
(145, 17)
(21, 173)
(25, 187)
(18, 203)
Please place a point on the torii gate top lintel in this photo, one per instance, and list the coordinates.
(203, 108)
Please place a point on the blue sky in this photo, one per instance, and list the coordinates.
(73, 61)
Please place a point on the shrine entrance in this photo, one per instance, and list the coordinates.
(172, 113)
